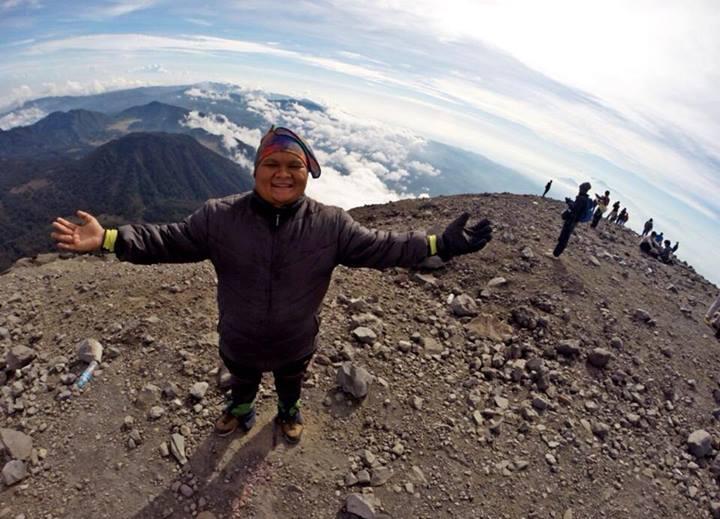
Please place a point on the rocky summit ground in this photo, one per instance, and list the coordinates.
(505, 384)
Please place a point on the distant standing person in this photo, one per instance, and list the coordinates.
(613, 214)
(547, 188)
(622, 217)
(602, 202)
(575, 212)
(648, 227)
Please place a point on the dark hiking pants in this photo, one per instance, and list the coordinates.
(565, 234)
(288, 381)
(596, 219)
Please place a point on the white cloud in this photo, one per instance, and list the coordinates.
(362, 186)
(139, 42)
(199, 21)
(24, 117)
(117, 8)
(6, 5)
(154, 68)
(218, 124)
(207, 93)
(78, 88)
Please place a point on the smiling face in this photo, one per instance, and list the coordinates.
(281, 178)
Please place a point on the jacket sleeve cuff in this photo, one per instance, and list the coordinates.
(432, 244)
(109, 240)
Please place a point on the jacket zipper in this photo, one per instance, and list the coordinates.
(272, 261)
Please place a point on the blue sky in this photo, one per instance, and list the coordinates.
(621, 93)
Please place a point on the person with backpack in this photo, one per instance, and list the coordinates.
(622, 217)
(547, 188)
(274, 251)
(580, 210)
(648, 227)
(613, 214)
(601, 204)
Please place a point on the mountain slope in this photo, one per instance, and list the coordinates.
(455, 424)
(76, 131)
(139, 177)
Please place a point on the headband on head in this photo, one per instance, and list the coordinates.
(282, 139)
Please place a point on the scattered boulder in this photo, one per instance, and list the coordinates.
(525, 317)
(89, 350)
(380, 476)
(699, 443)
(18, 444)
(497, 282)
(358, 505)
(354, 380)
(568, 347)
(198, 390)
(642, 315)
(14, 471)
(599, 357)
(177, 448)
(364, 335)
(18, 357)
(464, 306)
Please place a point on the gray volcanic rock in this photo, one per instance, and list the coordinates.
(19, 357)
(18, 444)
(463, 306)
(699, 443)
(354, 380)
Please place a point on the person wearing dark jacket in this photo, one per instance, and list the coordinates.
(613, 214)
(572, 216)
(648, 227)
(547, 188)
(622, 217)
(274, 251)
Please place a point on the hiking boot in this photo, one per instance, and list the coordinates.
(291, 424)
(234, 417)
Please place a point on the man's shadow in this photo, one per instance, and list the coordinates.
(225, 471)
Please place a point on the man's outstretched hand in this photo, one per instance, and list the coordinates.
(86, 237)
(459, 239)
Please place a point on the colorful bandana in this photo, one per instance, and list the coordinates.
(282, 139)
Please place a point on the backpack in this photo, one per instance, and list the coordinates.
(589, 211)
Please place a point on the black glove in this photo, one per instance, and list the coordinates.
(458, 239)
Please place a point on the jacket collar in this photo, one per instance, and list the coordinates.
(275, 215)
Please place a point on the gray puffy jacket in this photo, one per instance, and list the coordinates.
(273, 266)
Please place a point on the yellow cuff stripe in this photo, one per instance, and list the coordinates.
(432, 241)
(110, 238)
